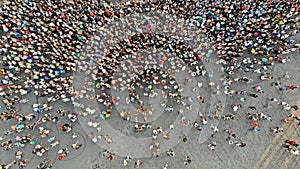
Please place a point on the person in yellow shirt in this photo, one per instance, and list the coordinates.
(75, 146)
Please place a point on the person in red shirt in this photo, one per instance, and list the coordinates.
(110, 157)
(292, 87)
(292, 142)
(60, 157)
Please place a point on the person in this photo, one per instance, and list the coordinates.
(184, 139)
(74, 135)
(187, 160)
(51, 139)
(126, 160)
(65, 128)
(75, 146)
(212, 146)
(171, 153)
(23, 164)
(47, 59)
(63, 153)
(240, 144)
(138, 163)
(292, 87)
(72, 117)
(110, 157)
(276, 129)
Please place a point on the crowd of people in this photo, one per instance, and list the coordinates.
(26, 136)
(44, 42)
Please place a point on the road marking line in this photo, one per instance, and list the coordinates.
(285, 135)
(266, 152)
(278, 146)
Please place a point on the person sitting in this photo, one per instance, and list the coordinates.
(276, 129)
(139, 128)
(240, 144)
(170, 152)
